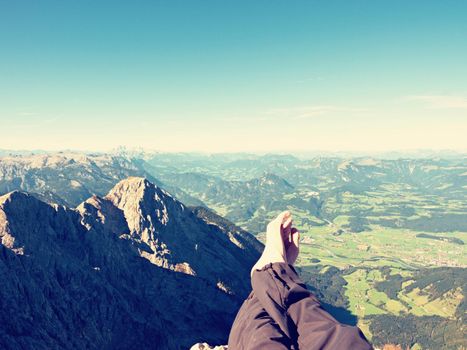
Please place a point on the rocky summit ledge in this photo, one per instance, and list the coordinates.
(206, 346)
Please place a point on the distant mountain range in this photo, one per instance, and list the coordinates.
(69, 178)
(246, 191)
(133, 269)
(249, 190)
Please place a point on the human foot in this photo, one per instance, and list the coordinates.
(281, 242)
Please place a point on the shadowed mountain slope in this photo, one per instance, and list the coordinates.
(133, 269)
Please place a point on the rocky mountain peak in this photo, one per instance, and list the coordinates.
(22, 232)
(269, 180)
(97, 211)
(14, 195)
(112, 267)
(137, 197)
(167, 233)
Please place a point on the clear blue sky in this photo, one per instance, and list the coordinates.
(233, 75)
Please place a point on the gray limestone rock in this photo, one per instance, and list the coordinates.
(133, 269)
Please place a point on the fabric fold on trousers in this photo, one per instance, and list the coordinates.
(255, 329)
(304, 318)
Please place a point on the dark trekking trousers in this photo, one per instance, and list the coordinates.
(280, 313)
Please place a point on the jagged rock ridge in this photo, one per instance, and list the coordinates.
(133, 269)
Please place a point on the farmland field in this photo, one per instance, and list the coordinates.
(382, 241)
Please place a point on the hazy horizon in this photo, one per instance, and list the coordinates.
(229, 77)
(409, 153)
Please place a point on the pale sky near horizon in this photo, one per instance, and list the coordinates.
(231, 76)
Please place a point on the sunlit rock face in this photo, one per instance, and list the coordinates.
(206, 346)
(135, 268)
(170, 235)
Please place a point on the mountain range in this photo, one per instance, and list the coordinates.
(69, 178)
(383, 240)
(134, 268)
